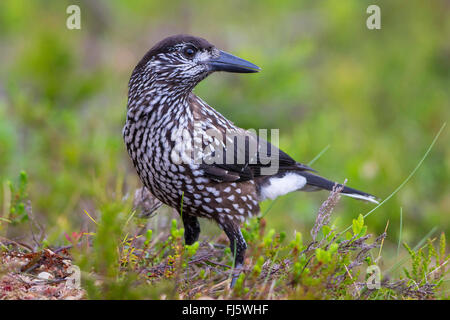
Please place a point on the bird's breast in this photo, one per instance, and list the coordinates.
(159, 157)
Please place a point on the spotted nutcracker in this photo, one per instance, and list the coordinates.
(191, 157)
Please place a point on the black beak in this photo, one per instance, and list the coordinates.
(229, 63)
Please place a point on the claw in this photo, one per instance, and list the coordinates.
(236, 272)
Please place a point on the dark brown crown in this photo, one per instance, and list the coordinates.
(167, 44)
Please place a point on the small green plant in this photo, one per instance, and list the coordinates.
(428, 265)
(19, 200)
(331, 265)
(121, 259)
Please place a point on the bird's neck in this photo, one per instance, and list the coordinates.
(157, 100)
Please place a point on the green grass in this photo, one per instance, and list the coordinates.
(121, 259)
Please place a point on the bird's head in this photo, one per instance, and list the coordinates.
(182, 61)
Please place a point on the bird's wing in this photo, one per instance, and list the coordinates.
(244, 156)
(235, 154)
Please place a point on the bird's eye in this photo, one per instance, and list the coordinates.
(189, 52)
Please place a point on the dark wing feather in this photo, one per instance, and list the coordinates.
(240, 161)
(246, 163)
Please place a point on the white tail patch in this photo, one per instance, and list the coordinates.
(361, 197)
(278, 186)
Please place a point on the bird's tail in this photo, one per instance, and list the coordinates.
(315, 182)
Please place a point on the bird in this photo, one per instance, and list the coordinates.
(195, 160)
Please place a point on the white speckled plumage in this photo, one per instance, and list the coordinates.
(166, 123)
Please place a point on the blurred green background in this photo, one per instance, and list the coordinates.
(375, 97)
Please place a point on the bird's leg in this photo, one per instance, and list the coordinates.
(191, 228)
(237, 246)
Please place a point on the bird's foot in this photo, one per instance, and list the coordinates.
(235, 274)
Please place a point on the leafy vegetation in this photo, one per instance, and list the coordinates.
(123, 259)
